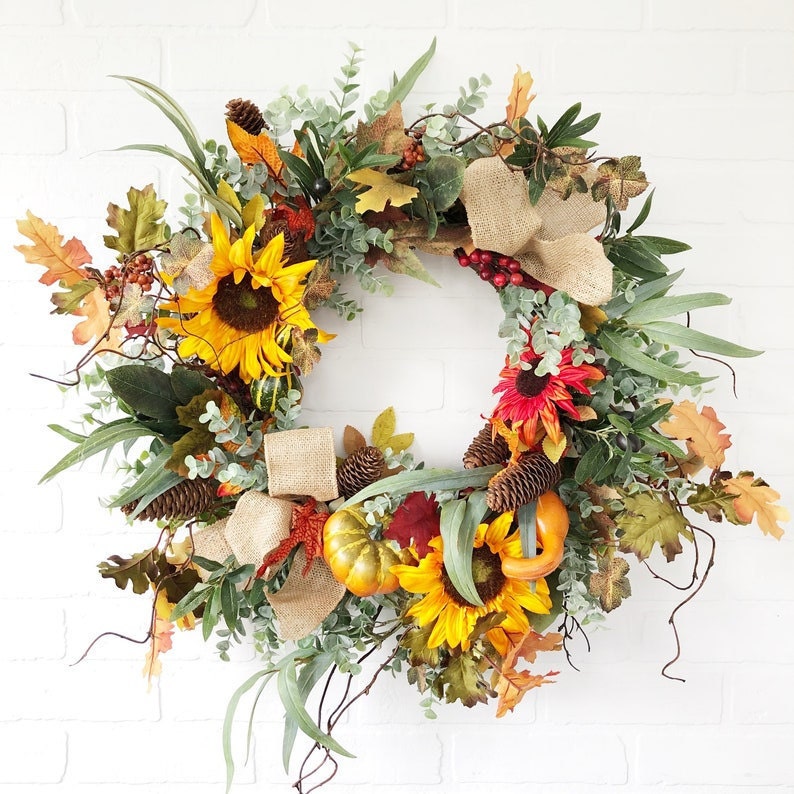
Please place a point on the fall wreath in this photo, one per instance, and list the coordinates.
(202, 331)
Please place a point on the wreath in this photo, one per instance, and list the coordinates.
(202, 331)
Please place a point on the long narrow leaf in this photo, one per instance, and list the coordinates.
(228, 721)
(681, 336)
(528, 528)
(650, 289)
(671, 305)
(69, 435)
(167, 151)
(622, 350)
(458, 538)
(287, 683)
(425, 480)
(224, 208)
(309, 675)
(154, 482)
(659, 442)
(103, 438)
(403, 86)
(642, 215)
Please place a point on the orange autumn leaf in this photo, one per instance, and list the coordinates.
(531, 643)
(96, 310)
(511, 688)
(161, 641)
(519, 99)
(254, 148)
(63, 261)
(754, 498)
(701, 430)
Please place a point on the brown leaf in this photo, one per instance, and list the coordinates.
(610, 584)
(254, 148)
(621, 179)
(755, 499)
(446, 240)
(62, 260)
(305, 352)
(319, 286)
(353, 440)
(702, 430)
(388, 131)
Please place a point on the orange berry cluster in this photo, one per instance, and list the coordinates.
(136, 271)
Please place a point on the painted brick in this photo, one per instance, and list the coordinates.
(726, 758)
(38, 128)
(536, 15)
(760, 694)
(601, 756)
(769, 67)
(67, 62)
(39, 13)
(46, 642)
(716, 15)
(357, 14)
(150, 13)
(22, 758)
(639, 64)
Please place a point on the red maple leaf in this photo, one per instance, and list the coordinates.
(416, 521)
(300, 220)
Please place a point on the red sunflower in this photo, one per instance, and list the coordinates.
(527, 396)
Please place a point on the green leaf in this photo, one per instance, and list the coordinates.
(642, 215)
(194, 599)
(298, 167)
(659, 442)
(403, 86)
(141, 226)
(104, 437)
(69, 435)
(145, 389)
(308, 677)
(154, 481)
(228, 721)
(681, 336)
(664, 245)
(229, 604)
(648, 521)
(528, 528)
(206, 183)
(72, 298)
(619, 348)
(428, 480)
(462, 681)
(652, 417)
(140, 570)
(290, 696)
(188, 383)
(650, 289)
(458, 538)
(444, 174)
(403, 261)
(668, 306)
(591, 463)
(212, 611)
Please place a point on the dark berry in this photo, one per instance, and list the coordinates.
(624, 442)
(486, 273)
(514, 266)
(321, 187)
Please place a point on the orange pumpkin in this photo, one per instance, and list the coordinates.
(552, 527)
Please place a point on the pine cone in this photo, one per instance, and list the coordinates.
(294, 247)
(360, 469)
(522, 482)
(186, 499)
(245, 114)
(485, 452)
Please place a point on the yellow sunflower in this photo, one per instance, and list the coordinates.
(455, 617)
(239, 318)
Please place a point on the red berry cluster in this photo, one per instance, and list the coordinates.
(413, 153)
(497, 268)
(135, 271)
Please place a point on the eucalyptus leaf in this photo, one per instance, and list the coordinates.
(671, 305)
(681, 336)
(458, 538)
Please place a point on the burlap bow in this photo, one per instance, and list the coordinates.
(299, 463)
(548, 239)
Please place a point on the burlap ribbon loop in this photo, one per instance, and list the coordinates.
(299, 463)
(549, 239)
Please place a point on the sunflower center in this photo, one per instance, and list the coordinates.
(243, 307)
(486, 570)
(528, 384)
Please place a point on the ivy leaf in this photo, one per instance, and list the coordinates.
(305, 351)
(140, 227)
(382, 189)
(415, 521)
(611, 584)
(320, 285)
(186, 264)
(701, 430)
(714, 501)
(140, 570)
(519, 98)
(755, 499)
(462, 681)
(621, 179)
(63, 262)
(254, 148)
(648, 521)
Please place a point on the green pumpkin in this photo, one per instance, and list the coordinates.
(267, 391)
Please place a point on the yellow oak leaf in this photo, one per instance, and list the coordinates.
(754, 498)
(254, 148)
(62, 260)
(702, 430)
(96, 311)
(519, 98)
(382, 189)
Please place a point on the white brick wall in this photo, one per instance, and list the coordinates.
(704, 90)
